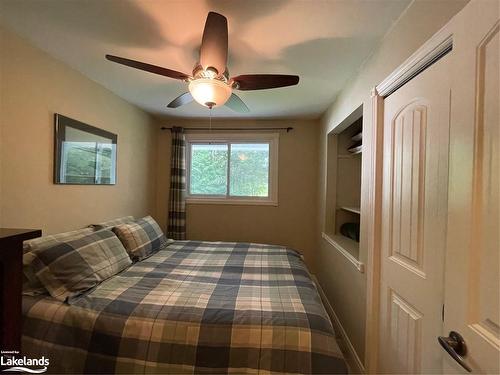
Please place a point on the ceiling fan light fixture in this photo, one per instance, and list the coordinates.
(210, 92)
(210, 83)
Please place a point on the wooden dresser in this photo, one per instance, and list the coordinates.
(11, 268)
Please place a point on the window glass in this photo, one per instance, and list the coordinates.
(208, 170)
(249, 173)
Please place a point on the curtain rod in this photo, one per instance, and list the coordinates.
(232, 129)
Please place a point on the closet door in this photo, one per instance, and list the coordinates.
(472, 260)
(414, 214)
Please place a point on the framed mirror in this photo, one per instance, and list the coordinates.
(84, 154)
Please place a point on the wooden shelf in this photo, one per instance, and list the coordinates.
(349, 156)
(344, 190)
(354, 210)
(348, 244)
(347, 247)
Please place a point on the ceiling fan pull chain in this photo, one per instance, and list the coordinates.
(210, 121)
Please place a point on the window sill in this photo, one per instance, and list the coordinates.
(230, 201)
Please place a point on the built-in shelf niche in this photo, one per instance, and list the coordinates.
(343, 200)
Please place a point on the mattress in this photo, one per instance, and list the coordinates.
(193, 307)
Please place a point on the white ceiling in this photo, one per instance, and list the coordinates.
(324, 42)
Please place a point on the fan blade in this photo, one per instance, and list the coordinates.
(181, 100)
(213, 50)
(236, 104)
(147, 67)
(264, 81)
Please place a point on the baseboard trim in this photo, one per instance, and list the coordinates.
(354, 361)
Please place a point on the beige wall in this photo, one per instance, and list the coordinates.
(33, 87)
(343, 284)
(292, 223)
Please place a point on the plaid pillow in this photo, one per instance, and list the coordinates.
(68, 269)
(141, 238)
(31, 285)
(51, 240)
(111, 223)
(32, 288)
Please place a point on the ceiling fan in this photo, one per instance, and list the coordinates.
(210, 83)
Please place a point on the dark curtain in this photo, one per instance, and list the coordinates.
(177, 202)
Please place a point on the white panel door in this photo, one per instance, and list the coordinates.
(414, 213)
(472, 260)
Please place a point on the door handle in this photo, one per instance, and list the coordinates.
(454, 344)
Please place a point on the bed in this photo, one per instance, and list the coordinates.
(192, 307)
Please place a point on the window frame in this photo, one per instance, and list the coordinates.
(202, 138)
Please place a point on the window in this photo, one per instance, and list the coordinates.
(238, 169)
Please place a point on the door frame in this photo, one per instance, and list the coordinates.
(430, 52)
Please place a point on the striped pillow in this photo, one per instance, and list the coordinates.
(70, 268)
(141, 238)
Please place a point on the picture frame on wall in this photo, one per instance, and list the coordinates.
(83, 154)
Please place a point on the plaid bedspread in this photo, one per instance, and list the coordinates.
(193, 307)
